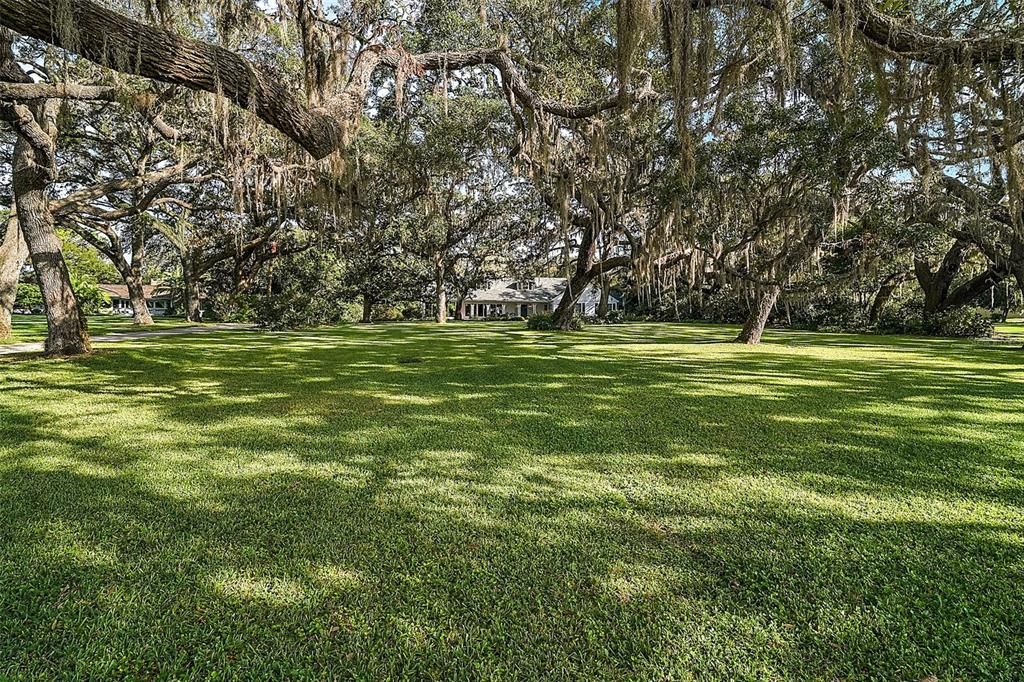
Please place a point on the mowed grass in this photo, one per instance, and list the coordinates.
(32, 328)
(482, 502)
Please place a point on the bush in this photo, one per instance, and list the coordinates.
(546, 323)
(905, 318)
(413, 312)
(725, 306)
(962, 323)
(28, 297)
(830, 312)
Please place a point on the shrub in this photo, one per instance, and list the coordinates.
(546, 323)
(830, 312)
(906, 318)
(909, 318)
(964, 323)
(28, 297)
(725, 306)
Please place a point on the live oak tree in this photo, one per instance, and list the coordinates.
(315, 69)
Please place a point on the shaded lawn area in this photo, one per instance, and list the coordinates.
(633, 502)
(1012, 330)
(32, 328)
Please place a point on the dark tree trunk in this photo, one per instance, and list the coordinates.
(884, 295)
(13, 252)
(937, 286)
(440, 269)
(606, 290)
(68, 334)
(193, 305)
(581, 278)
(566, 309)
(759, 314)
(367, 309)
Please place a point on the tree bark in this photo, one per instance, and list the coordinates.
(367, 309)
(460, 306)
(193, 305)
(118, 42)
(137, 296)
(884, 295)
(68, 334)
(133, 277)
(606, 290)
(753, 329)
(441, 292)
(13, 252)
(566, 309)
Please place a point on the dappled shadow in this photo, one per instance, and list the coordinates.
(480, 501)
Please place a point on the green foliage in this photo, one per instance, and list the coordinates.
(546, 323)
(308, 290)
(830, 312)
(85, 263)
(28, 297)
(963, 322)
(91, 299)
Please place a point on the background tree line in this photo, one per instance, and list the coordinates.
(849, 164)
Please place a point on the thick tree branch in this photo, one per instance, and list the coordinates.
(120, 43)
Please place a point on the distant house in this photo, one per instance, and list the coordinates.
(529, 297)
(159, 299)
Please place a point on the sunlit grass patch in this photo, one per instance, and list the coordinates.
(630, 502)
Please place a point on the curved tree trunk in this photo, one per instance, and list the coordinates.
(884, 295)
(13, 252)
(759, 314)
(567, 305)
(68, 334)
(136, 294)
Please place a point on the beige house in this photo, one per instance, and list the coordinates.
(159, 299)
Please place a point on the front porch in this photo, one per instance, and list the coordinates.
(482, 310)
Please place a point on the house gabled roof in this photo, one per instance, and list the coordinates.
(150, 291)
(546, 290)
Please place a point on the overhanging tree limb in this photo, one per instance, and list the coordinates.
(123, 44)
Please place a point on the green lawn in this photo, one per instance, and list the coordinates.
(1014, 330)
(634, 502)
(29, 328)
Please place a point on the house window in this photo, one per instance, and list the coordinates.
(581, 308)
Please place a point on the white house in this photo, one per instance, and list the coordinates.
(529, 297)
(159, 299)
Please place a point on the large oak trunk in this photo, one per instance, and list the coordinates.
(13, 252)
(137, 296)
(68, 334)
(567, 305)
(193, 305)
(753, 330)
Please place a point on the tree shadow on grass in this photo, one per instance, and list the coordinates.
(512, 506)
